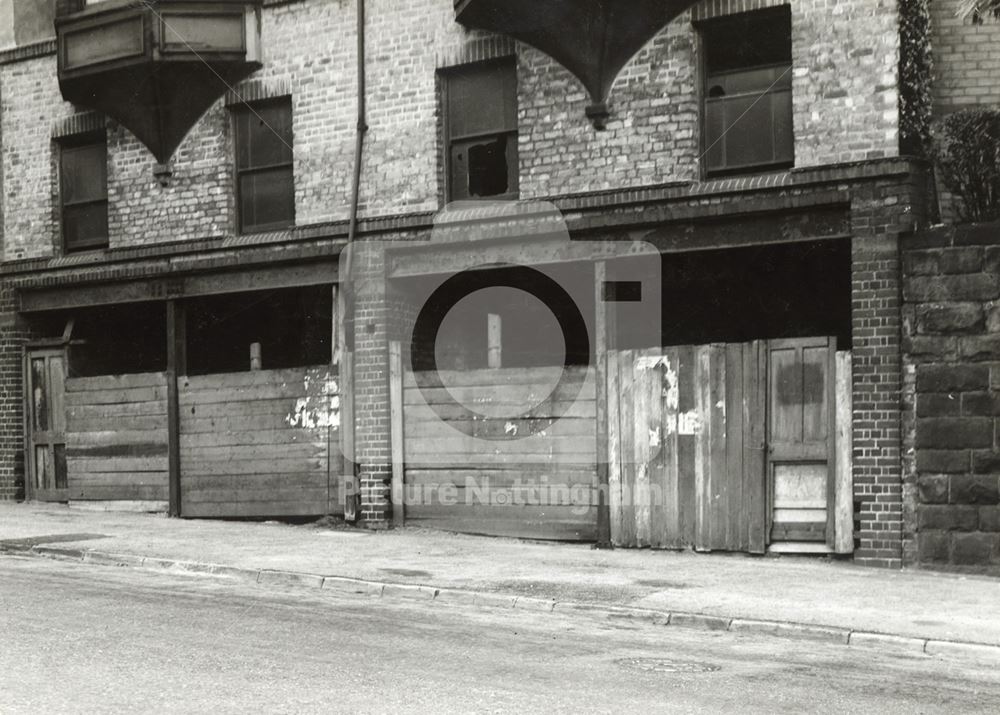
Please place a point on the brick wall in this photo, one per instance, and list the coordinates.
(13, 333)
(878, 220)
(966, 59)
(952, 396)
(844, 88)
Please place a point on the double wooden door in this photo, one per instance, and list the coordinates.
(45, 421)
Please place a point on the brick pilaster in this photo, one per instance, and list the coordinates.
(875, 298)
(13, 335)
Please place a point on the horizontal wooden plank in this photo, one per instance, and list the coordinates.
(562, 409)
(584, 530)
(267, 480)
(112, 451)
(236, 510)
(112, 492)
(569, 477)
(502, 376)
(305, 492)
(500, 428)
(75, 438)
(251, 393)
(116, 397)
(295, 375)
(292, 450)
(107, 423)
(200, 424)
(465, 496)
(115, 464)
(276, 438)
(279, 407)
(493, 395)
(584, 447)
(118, 480)
(120, 411)
(115, 382)
(192, 467)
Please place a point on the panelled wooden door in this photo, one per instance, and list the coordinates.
(801, 439)
(45, 417)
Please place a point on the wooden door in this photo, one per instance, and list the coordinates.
(45, 418)
(800, 439)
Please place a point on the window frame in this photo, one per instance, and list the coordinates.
(72, 144)
(704, 29)
(236, 112)
(511, 134)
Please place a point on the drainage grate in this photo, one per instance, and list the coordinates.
(666, 665)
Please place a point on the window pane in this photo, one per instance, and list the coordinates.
(85, 225)
(482, 100)
(267, 199)
(749, 39)
(84, 173)
(264, 135)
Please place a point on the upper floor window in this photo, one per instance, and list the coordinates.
(264, 166)
(748, 91)
(481, 131)
(83, 179)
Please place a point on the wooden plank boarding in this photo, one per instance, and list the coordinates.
(603, 340)
(396, 431)
(754, 462)
(176, 365)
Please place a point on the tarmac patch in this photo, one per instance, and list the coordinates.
(666, 665)
(28, 542)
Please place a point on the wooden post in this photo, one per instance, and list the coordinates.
(601, 340)
(255, 358)
(176, 365)
(844, 488)
(396, 431)
(493, 339)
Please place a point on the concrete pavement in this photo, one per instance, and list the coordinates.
(791, 596)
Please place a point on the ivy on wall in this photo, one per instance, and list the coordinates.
(915, 70)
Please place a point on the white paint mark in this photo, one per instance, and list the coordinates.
(319, 411)
(654, 437)
(510, 429)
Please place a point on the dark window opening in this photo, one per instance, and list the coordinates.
(748, 91)
(530, 332)
(481, 127)
(737, 295)
(83, 182)
(293, 327)
(264, 166)
(118, 340)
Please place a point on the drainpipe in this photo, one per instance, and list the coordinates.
(345, 304)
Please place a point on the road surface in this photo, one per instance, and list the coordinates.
(85, 638)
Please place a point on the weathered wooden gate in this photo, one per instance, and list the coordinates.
(686, 447)
(506, 451)
(733, 447)
(116, 439)
(260, 443)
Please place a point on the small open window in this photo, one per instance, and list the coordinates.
(748, 91)
(481, 112)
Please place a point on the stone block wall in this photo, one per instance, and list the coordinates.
(951, 319)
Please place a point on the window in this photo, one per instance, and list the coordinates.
(264, 179)
(83, 172)
(748, 91)
(481, 131)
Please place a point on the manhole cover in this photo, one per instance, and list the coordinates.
(667, 665)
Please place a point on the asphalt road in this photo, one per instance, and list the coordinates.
(82, 638)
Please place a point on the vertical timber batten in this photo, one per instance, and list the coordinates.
(601, 352)
(396, 427)
(176, 364)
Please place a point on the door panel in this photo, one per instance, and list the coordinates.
(800, 439)
(46, 439)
